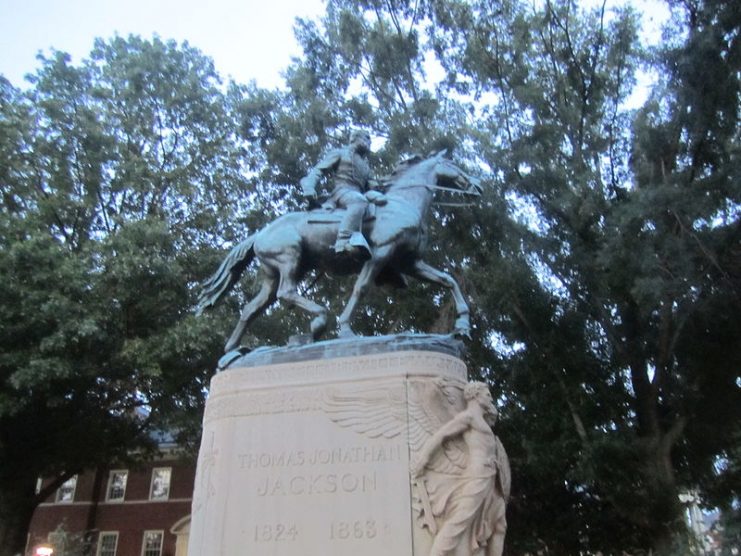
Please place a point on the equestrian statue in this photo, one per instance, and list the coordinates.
(379, 236)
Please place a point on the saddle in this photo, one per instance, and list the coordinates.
(330, 213)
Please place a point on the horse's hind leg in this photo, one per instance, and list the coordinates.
(254, 308)
(288, 292)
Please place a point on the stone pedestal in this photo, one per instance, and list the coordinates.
(309, 453)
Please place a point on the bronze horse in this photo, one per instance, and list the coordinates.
(300, 241)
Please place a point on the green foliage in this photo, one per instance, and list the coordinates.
(602, 262)
(618, 262)
(118, 178)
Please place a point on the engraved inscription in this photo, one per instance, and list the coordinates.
(299, 458)
(263, 403)
(329, 483)
(360, 529)
(275, 532)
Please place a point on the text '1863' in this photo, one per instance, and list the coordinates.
(360, 529)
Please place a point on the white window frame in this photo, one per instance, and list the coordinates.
(102, 534)
(59, 490)
(111, 473)
(161, 533)
(169, 484)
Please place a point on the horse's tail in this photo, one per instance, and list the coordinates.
(213, 289)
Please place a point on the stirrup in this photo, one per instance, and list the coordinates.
(357, 240)
(356, 246)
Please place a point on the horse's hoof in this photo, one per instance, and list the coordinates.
(462, 327)
(462, 334)
(318, 326)
(231, 356)
(346, 332)
(300, 339)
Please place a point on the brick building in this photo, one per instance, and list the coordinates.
(143, 511)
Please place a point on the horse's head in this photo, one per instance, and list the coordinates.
(450, 176)
(434, 172)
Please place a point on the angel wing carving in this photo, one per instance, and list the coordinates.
(432, 403)
(388, 411)
(370, 411)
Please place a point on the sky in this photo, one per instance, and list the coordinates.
(247, 39)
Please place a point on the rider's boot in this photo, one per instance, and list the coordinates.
(352, 243)
(358, 241)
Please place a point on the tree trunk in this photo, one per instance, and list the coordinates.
(664, 510)
(18, 501)
(16, 510)
(89, 546)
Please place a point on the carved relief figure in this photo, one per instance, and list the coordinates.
(462, 479)
(460, 470)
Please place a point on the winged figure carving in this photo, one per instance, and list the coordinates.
(460, 471)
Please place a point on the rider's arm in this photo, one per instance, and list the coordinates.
(457, 425)
(326, 165)
(374, 192)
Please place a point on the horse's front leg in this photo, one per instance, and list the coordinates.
(365, 278)
(425, 272)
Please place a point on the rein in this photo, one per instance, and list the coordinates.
(431, 187)
(453, 204)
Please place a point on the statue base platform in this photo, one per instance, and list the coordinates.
(306, 450)
(342, 347)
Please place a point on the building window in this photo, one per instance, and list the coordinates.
(107, 542)
(66, 492)
(160, 489)
(152, 543)
(116, 485)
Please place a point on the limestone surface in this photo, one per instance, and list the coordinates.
(344, 454)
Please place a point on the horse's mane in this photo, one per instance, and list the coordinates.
(412, 159)
(405, 163)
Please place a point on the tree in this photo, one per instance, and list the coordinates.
(616, 343)
(603, 262)
(117, 180)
